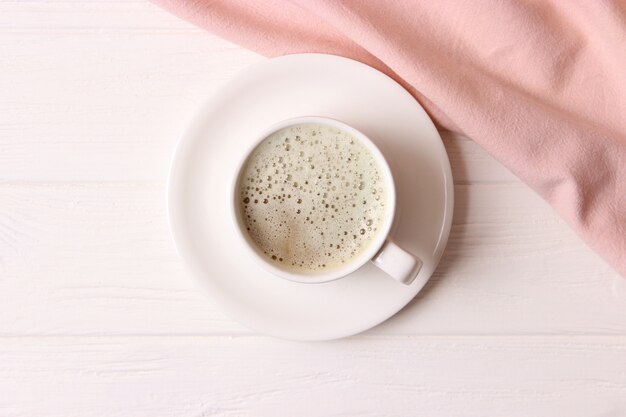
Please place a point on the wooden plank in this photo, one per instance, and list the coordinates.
(96, 258)
(88, 16)
(105, 110)
(98, 157)
(109, 104)
(471, 164)
(249, 376)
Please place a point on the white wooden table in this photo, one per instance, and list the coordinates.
(98, 316)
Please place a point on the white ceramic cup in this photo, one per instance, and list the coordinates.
(382, 251)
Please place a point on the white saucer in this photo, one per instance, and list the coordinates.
(201, 172)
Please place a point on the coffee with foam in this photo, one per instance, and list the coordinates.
(312, 198)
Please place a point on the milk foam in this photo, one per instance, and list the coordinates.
(312, 198)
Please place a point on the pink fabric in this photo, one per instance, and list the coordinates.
(541, 85)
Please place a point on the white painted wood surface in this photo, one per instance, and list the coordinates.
(98, 316)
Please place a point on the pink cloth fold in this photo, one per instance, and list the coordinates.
(541, 85)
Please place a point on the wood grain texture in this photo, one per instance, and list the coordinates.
(98, 316)
(252, 376)
(82, 106)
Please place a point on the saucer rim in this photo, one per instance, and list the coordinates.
(200, 274)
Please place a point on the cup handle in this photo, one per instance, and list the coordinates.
(397, 263)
